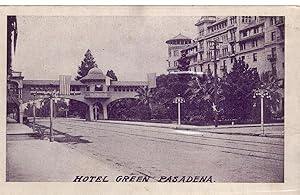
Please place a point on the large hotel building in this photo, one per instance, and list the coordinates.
(258, 40)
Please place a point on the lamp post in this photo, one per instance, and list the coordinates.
(262, 93)
(178, 100)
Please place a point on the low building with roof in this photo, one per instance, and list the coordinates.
(96, 90)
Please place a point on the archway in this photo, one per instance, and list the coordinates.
(62, 107)
(13, 112)
(98, 111)
(13, 101)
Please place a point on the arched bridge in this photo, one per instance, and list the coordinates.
(92, 89)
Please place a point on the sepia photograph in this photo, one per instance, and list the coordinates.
(126, 99)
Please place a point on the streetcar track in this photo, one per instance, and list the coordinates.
(181, 141)
(201, 136)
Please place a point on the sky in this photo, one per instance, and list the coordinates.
(50, 46)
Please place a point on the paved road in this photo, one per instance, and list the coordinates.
(160, 152)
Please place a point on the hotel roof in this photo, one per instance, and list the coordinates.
(178, 37)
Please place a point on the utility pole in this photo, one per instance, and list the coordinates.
(52, 95)
(33, 112)
(179, 120)
(215, 43)
(51, 119)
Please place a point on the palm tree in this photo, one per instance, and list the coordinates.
(145, 97)
(201, 92)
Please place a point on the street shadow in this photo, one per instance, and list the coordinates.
(43, 132)
(66, 138)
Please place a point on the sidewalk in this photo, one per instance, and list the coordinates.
(14, 128)
(30, 159)
(271, 130)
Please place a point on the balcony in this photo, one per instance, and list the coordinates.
(75, 92)
(200, 49)
(279, 21)
(271, 57)
(96, 94)
(231, 39)
(280, 39)
(191, 54)
(233, 25)
(252, 36)
(16, 74)
(231, 54)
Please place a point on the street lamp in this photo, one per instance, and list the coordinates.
(262, 93)
(52, 95)
(33, 111)
(178, 100)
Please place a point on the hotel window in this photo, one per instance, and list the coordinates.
(98, 88)
(255, 30)
(195, 69)
(242, 46)
(273, 36)
(272, 22)
(245, 34)
(243, 58)
(274, 71)
(87, 88)
(273, 51)
(254, 57)
(254, 43)
(176, 53)
(231, 60)
(170, 53)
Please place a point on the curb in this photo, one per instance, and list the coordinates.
(207, 131)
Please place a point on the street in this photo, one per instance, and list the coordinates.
(156, 152)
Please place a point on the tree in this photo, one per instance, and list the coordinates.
(124, 109)
(238, 91)
(183, 62)
(272, 85)
(87, 64)
(78, 109)
(168, 87)
(145, 98)
(112, 75)
(12, 31)
(200, 96)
